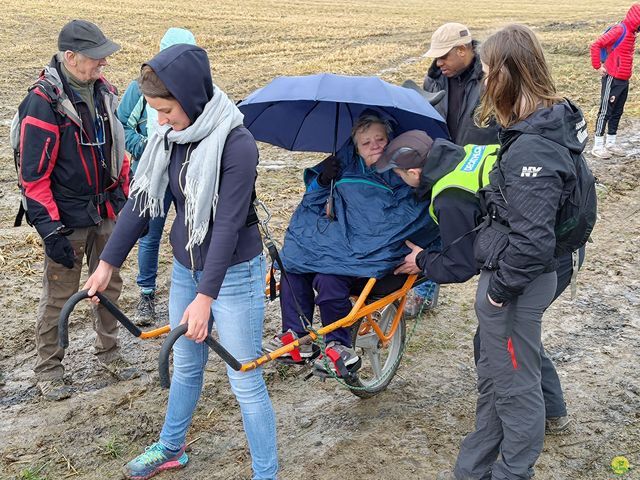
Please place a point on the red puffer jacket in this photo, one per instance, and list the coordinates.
(619, 63)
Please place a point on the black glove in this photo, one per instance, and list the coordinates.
(330, 168)
(59, 249)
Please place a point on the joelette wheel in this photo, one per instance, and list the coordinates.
(379, 363)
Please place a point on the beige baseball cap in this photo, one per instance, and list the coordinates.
(446, 37)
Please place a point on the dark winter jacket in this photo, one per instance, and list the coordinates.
(458, 212)
(537, 174)
(66, 180)
(374, 214)
(467, 131)
(229, 241)
(619, 62)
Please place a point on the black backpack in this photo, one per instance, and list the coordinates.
(53, 95)
(578, 214)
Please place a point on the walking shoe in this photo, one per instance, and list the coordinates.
(616, 150)
(600, 152)
(413, 304)
(155, 459)
(417, 303)
(431, 299)
(54, 390)
(145, 310)
(557, 425)
(303, 351)
(119, 367)
(335, 351)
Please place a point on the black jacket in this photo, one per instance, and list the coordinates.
(468, 132)
(65, 179)
(537, 174)
(229, 241)
(458, 213)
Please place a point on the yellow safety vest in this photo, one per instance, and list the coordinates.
(471, 174)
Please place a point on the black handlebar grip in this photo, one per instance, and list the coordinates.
(223, 353)
(67, 308)
(163, 359)
(63, 319)
(167, 345)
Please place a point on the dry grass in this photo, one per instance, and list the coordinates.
(252, 41)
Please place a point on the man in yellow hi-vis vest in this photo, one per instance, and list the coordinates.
(450, 180)
(449, 176)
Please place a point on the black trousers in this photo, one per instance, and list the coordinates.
(613, 96)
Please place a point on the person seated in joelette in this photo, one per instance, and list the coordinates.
(372, 214)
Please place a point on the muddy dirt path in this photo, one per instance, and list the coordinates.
(410, 431)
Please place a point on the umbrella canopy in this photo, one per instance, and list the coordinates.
(316, 113)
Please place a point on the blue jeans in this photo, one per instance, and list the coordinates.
(239, 314)
(149, 246)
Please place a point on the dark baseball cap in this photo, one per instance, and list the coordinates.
(86, 38)
(408, 150)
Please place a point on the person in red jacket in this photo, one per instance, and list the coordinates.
(75, 180)
(618, 45)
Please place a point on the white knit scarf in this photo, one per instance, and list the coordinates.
(211, 129)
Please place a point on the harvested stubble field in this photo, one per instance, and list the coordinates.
(412, 430)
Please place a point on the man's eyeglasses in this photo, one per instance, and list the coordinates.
(98, 128)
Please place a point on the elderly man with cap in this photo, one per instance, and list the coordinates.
(74, 177)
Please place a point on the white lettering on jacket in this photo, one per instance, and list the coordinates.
(530, 171)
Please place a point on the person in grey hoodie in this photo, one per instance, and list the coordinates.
(138, 118)
(202, 152)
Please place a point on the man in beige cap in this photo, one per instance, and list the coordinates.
(457, 70)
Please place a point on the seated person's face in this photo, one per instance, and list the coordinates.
(370, 143)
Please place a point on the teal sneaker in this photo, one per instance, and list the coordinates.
(155, 459)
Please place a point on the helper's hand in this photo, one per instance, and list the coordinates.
(602, 70)
(58, 248)
(409, 264)
(196, 316)
(330, 169)
(99, 280)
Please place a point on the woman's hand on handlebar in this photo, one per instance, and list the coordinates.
(99, 280)
(197, 316)
(409, 265)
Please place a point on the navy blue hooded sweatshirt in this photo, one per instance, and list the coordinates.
(184, 70)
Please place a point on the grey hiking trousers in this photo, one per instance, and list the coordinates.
(510, 410)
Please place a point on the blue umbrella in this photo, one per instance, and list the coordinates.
(315, 113)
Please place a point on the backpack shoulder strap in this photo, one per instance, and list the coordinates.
(503, 148)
